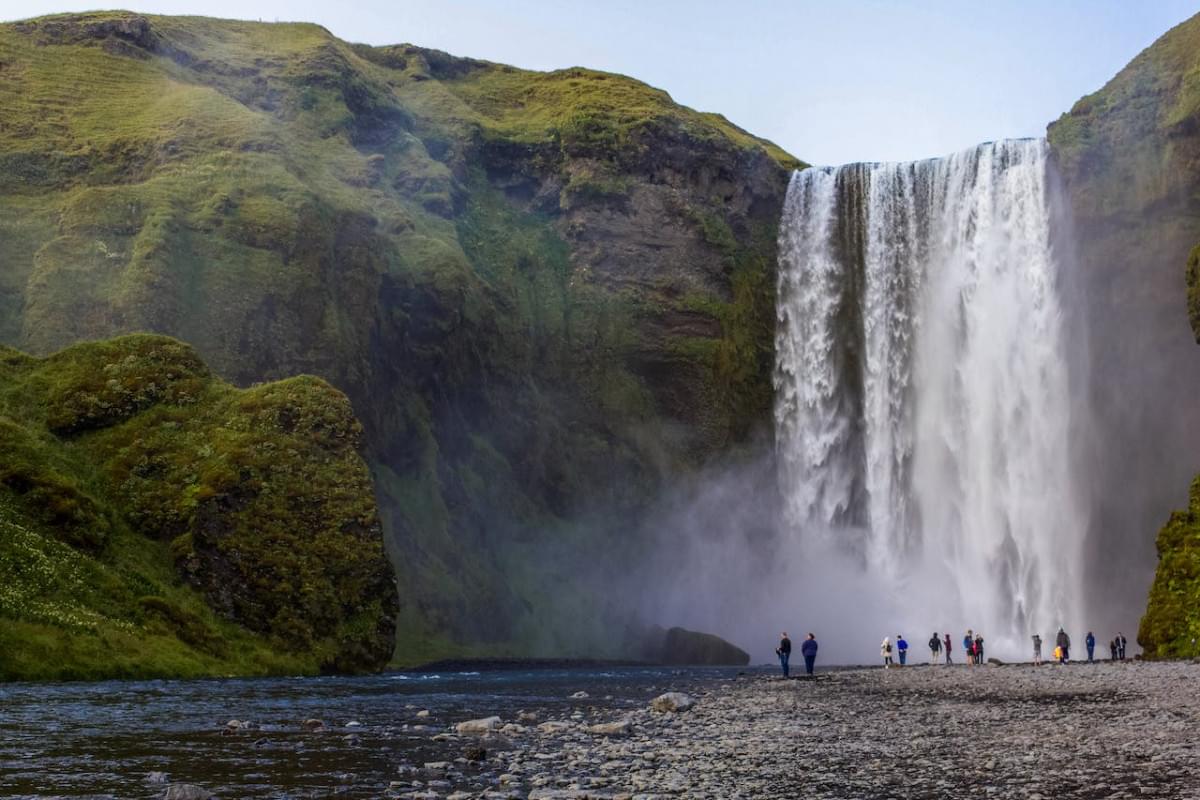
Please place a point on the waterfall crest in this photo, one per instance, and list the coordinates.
(922, 398)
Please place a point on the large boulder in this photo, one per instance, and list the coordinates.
(681, 647)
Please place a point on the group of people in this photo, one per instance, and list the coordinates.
(1062, 647)
(808, 649)
(941, 645)
(885, 650)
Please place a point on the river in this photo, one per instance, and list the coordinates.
(104, 740)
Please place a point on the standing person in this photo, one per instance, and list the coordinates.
(1064, 642)
(885, 650)
(902, 649)
(969, 647)
(1090, 643)
(1037, 650)
(1112, 650)
(1121, 641)
(947, 645)
(809, 650)
(979, 649)
(784, 651)
(935, 647)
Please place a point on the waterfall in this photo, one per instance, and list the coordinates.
(922, 400)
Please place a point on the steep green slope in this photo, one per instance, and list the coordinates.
(1129, 157)
(155, 521)
(546, 294)
(1171, 625)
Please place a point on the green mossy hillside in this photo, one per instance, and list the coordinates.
(547, 295)
(159, 522)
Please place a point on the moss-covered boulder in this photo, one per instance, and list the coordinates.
(546, 294)
(1193, 289)
(190, 528)
(1171, 625)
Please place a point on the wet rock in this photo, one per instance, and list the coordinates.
(187, 791)
(475, 753)
(619, 728)
(313, 725)
(478, 726)
(156, 777)
(495, 742)
(673, 702)
(580, 696)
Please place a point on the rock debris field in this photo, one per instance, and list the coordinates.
(1105, 730)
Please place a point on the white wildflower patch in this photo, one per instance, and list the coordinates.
(38, 575)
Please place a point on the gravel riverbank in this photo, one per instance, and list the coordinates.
(1105, 730)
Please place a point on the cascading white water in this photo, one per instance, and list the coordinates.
(922, 398)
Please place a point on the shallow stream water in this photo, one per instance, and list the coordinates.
(102, 740)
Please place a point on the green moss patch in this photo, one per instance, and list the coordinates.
(144, 502)
(1171, 625)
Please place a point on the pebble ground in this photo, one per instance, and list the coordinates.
(1123, 730)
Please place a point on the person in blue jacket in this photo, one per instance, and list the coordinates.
(809, 650)
(1090, 641)
(901, 648)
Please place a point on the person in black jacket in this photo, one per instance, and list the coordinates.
(809, 650)
(935, 647)
(1063, 641)
(784, 651)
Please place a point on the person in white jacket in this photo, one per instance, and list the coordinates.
(885, 650)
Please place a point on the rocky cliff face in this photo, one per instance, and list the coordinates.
(545, 294)
(156, 521)
(1129, 156)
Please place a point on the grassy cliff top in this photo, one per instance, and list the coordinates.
(1161, 86)
(65, 82)
(1127, 139)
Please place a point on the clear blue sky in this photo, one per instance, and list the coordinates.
(829, 81)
